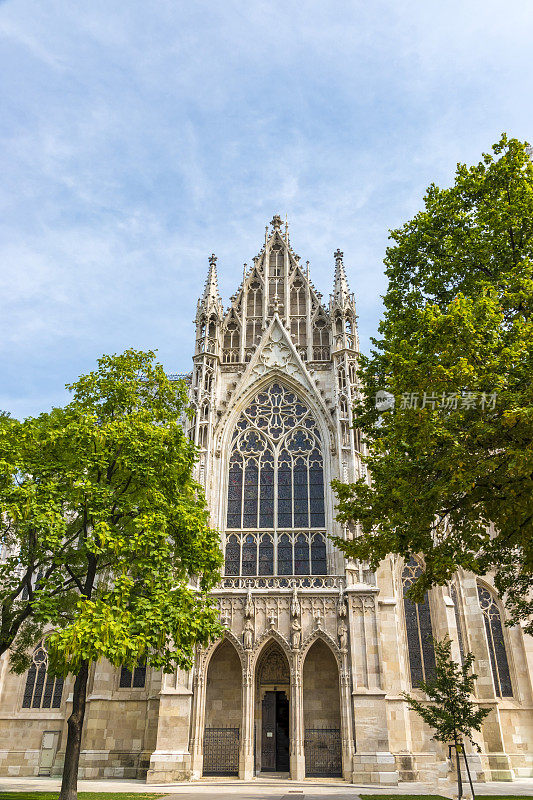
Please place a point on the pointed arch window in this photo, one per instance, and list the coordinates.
(275, 483)
(298, 304)
(418, 628)
(231, 342)
(496, 642)
(41, 690)
(321, 350)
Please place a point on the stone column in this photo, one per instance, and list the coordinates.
(246, 754)
(346, 719)
(198, 722)
(297, 762)
(372, 762)
(171, 760)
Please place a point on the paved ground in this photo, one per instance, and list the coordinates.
(258, 789)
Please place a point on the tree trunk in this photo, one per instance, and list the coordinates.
(457, 761)
(69, 784)
(468, 773)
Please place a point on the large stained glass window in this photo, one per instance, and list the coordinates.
(496, 643)
(276, 484)
(418, 628)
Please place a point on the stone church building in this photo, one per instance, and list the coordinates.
(308, 677)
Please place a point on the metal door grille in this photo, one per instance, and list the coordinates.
(323, 752)
(221, 751)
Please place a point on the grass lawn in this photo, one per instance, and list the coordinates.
(81, 796)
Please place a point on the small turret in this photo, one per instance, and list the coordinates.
(211, 299)
(210, 312)
(341, 292)
(342, 309)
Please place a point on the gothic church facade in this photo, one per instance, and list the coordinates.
(308, 677)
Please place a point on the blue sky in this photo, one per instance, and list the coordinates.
(137, 138)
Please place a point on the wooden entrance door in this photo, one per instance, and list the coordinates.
(268, 738)
(275, 733)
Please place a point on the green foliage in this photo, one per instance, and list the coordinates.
(98, 499)
(452, 714)
(454, 480)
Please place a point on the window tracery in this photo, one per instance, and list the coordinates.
(496, 643)
(275, 553)
(41, 690)
(418, 628)
(276, 482)
(231, 342)
(321, 350)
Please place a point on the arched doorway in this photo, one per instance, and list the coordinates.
(322, 719)
(272, 710)
(223, 712)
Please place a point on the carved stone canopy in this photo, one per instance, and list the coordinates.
(273, 667)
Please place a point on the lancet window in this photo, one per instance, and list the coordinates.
(276, 484)
(321, 351)
(418, 628)
(231, 342)
(496, 643)
(41, 690)
(254, 317)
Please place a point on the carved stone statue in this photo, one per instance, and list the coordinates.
(295, 603)
(248, 635)
(296, 634)
(249, 605)
(341, 609)
(342, 633)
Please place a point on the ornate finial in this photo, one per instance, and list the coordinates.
(307, 269)
(276, 222)
(212, 259)
(338, 255)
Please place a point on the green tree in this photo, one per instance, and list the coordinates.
(131, 526)
(452, 465)
(453, 714)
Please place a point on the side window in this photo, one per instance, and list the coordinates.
(41, 690)
(496, 643)
(135, 679)
(419, 629)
